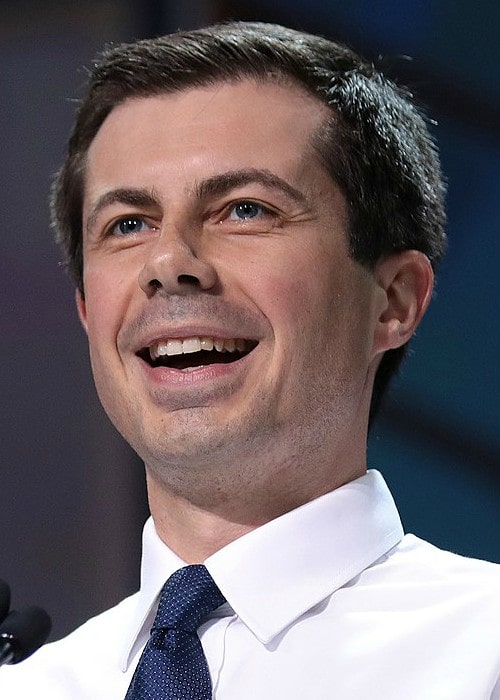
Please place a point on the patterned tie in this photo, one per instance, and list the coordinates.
(173, 665)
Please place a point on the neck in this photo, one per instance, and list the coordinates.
(195, 527)
(198, 507)
(189, 530)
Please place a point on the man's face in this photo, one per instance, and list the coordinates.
(209, 222)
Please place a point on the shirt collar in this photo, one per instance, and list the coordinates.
(274, 574)
(157, 565)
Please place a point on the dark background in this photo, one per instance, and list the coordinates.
(72, 498)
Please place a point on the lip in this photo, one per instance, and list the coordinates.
(192, 331)
(172, 378)
(173, 388)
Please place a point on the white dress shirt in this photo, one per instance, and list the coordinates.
(329, 601)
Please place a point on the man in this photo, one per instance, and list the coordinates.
(252, 216)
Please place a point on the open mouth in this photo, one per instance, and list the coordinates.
(188, 354)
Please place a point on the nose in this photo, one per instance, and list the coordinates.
(174, 267)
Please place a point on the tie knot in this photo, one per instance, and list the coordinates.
(186, 598)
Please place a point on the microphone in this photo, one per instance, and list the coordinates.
(22, 633)
(4, 599)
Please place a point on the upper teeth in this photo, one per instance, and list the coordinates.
(178, 346)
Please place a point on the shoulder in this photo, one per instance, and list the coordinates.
(435, 610)
(60, 666)
(114, 621)
(426, 577)
(433, 563)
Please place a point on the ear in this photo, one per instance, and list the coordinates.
(407, 280)
(81, 308)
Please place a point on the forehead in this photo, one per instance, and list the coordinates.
(266, 125)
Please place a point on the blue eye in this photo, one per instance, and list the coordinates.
(243, 211)
(130, 225)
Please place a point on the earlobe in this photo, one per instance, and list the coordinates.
(407, 280)
(81, 308)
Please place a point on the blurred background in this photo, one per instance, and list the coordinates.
(72, 496)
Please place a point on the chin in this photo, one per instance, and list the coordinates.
(180, 444)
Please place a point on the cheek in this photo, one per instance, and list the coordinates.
(320, 309)
(294, 293)
(105, 298)
(107, 295)
(279, 290)
(289, 272)
(296, 303)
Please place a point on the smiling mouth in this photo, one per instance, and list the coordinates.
(188, 354)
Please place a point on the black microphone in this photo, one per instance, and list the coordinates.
(22, 633)
(4, 599)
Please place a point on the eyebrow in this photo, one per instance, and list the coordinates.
(219, 185)
(214, 186)
(130, 196)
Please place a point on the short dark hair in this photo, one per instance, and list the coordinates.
(376, 145)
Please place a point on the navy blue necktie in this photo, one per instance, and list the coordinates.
(173, 665)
